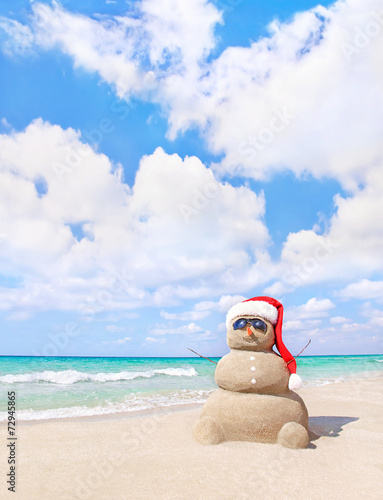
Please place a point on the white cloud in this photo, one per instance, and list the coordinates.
(114, 317)
(171, 29)
(185, 316)
(293, 97)
(222, 305)
(277, 289)
(297, 100)
(375, 315)
(118, 341)
(336, 320)
(207, 336)
(131, 315)
(83, 194)
(158, 34)
(348, 250)
(351, 338)
(293, 325)
(221, 328)
(377, 320)
(352, 327)
(20, 37)
(181, 330)
(363, 290)
(153, 340)
(19, 316)
(114, 328)
(5, 122)
(314, 308)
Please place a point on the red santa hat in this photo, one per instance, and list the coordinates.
(271, 310)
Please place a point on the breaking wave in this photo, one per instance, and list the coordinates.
(68, 377)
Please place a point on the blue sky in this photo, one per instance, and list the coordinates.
(161, 161)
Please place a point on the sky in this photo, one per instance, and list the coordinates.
(161, 161)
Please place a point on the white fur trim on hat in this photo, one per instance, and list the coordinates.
(253, 308)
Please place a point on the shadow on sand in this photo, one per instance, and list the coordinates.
(327, 426)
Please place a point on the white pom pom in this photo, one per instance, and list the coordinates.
(295, 382)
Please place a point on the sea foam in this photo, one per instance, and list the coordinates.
(68, 377)
(130, 404)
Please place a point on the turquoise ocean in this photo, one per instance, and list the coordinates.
(67, 387)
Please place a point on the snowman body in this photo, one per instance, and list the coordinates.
(253, 401)
(252, 372)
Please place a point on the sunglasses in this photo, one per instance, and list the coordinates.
(258, 324)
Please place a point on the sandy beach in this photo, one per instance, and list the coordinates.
(153, 455)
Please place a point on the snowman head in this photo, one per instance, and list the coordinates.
(268, 311)
(250, 333)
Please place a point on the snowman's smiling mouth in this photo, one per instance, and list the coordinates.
(251, 338)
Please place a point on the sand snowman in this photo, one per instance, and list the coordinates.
(255, 400)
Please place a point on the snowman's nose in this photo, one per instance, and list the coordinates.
(249, 332)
